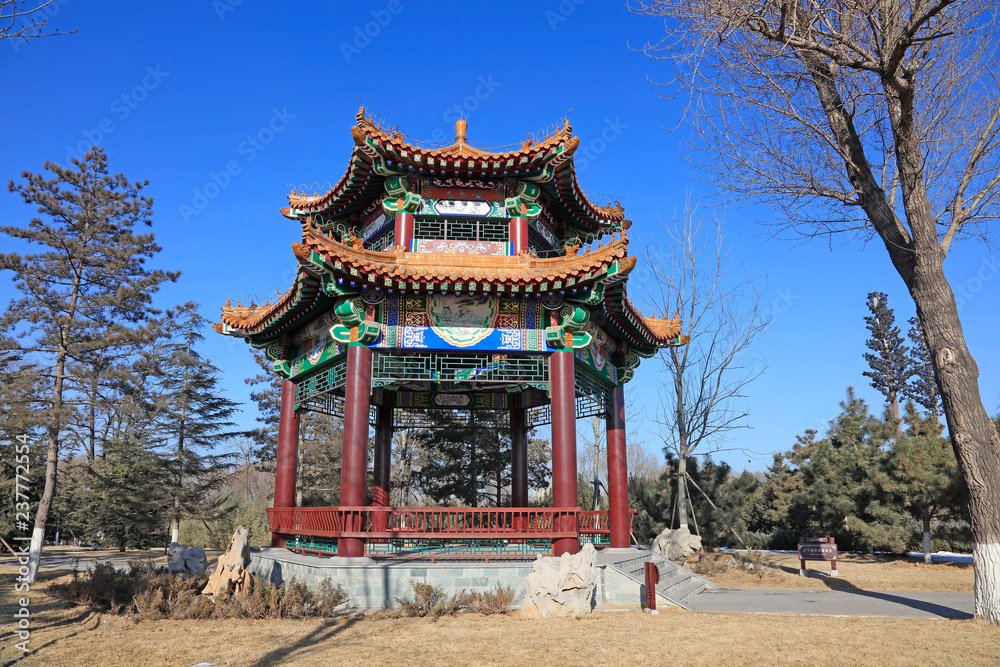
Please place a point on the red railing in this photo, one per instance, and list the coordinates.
(426, 522)
(596, 522)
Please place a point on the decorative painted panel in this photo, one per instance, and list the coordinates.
(452, 247)
(315, 344)
(599, 354)
(463, 188)
(453, 321)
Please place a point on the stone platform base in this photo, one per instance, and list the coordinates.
(374, 585)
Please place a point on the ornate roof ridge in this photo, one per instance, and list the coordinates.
(393, 259)
(365, 125)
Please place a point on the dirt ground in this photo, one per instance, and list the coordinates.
(70, 636)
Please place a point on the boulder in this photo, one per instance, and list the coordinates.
(563, 586)
(676, 545)
(186, 561)
(231, 574)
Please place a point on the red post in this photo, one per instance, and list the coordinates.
(618, 517)
(382, 464)
(287, 458)
(404, 229)
(518, 234)
(354, 463)
(563, 390)
(652, 578)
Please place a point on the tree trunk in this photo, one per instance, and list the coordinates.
(51, 469)
(682, 502)
(973, 435)
(926, 515)
(52, 448)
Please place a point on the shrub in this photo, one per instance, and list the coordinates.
(432, 601)
(147, 592)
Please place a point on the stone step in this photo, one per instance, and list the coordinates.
(672, 585)
(688, 591)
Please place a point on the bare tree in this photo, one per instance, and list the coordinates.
(707, 377)
(26, 20)
(592, 460)
(864, 118)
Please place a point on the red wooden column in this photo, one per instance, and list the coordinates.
(518, 234)
(617, 470)
(404, 229)
(354, 463)
(563, 390)
(382, 464)
(288, 451)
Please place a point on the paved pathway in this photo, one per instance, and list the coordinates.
(835, 603)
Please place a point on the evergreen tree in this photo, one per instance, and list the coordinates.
(193, 417)
(83, 291)
(266, 393)
(22, 460)
(924, 474)
(889, 357)
(119, 500)
(922, 386)
(468, 461)
(844, 482)
(321, 448)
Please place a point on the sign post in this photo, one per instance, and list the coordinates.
(652, 578)
(818, 548)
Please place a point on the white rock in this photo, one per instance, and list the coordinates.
(186, 561)
(677, 544)
(563, 586)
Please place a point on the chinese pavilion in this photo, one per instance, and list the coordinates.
(453, 278)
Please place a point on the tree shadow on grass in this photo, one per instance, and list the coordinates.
(326, 631)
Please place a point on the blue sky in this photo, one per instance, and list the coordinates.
(225, 106)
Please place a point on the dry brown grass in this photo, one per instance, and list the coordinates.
(857, 571)
(72, 636)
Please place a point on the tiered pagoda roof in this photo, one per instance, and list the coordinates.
(379, 153)
(330, 264)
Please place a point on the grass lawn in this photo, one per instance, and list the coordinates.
(68, 636)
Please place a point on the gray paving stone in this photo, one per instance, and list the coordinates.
(920, 604)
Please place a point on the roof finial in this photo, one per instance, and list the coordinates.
(461, 125)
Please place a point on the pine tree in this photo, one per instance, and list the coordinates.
(266, 393)
(83, 291)
(924, 474)
(119, 501)
(193, 417)
(888, 359)
(321, 449)
(922, 386)
(22, 461)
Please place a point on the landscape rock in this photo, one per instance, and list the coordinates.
(676, 545)
(186, 561)
(231, 574)
(563, 586)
